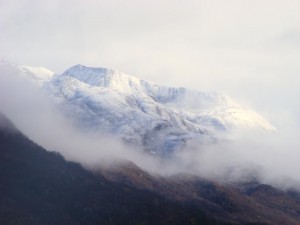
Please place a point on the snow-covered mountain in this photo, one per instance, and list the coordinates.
(160, 119)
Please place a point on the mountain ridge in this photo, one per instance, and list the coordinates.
(159, 119)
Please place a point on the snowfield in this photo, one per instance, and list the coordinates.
(157, 118)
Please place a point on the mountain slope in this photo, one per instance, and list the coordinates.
(40, 187)
(241, 203)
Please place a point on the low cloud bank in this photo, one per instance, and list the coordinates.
(271, 158)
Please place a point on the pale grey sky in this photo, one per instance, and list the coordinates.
(249, 49)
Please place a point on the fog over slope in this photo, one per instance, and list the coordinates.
(272, 158)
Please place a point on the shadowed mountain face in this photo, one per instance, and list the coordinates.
(241, 203)
(40, 187)
(6, 126)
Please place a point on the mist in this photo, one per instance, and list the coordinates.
(271, 158)
(34, 114)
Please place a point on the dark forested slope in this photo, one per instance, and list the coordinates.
(41, 187)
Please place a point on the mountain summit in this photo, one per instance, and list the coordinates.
(157, 118)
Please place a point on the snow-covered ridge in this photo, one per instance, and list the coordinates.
(121, 82)
(157, 118)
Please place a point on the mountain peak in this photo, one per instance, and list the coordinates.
(105, 78)
(81, 68)
(93, 76)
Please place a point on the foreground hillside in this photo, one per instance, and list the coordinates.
(40, 187)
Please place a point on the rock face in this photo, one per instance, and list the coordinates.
(157, 118)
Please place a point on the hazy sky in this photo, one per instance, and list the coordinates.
(249, 49)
